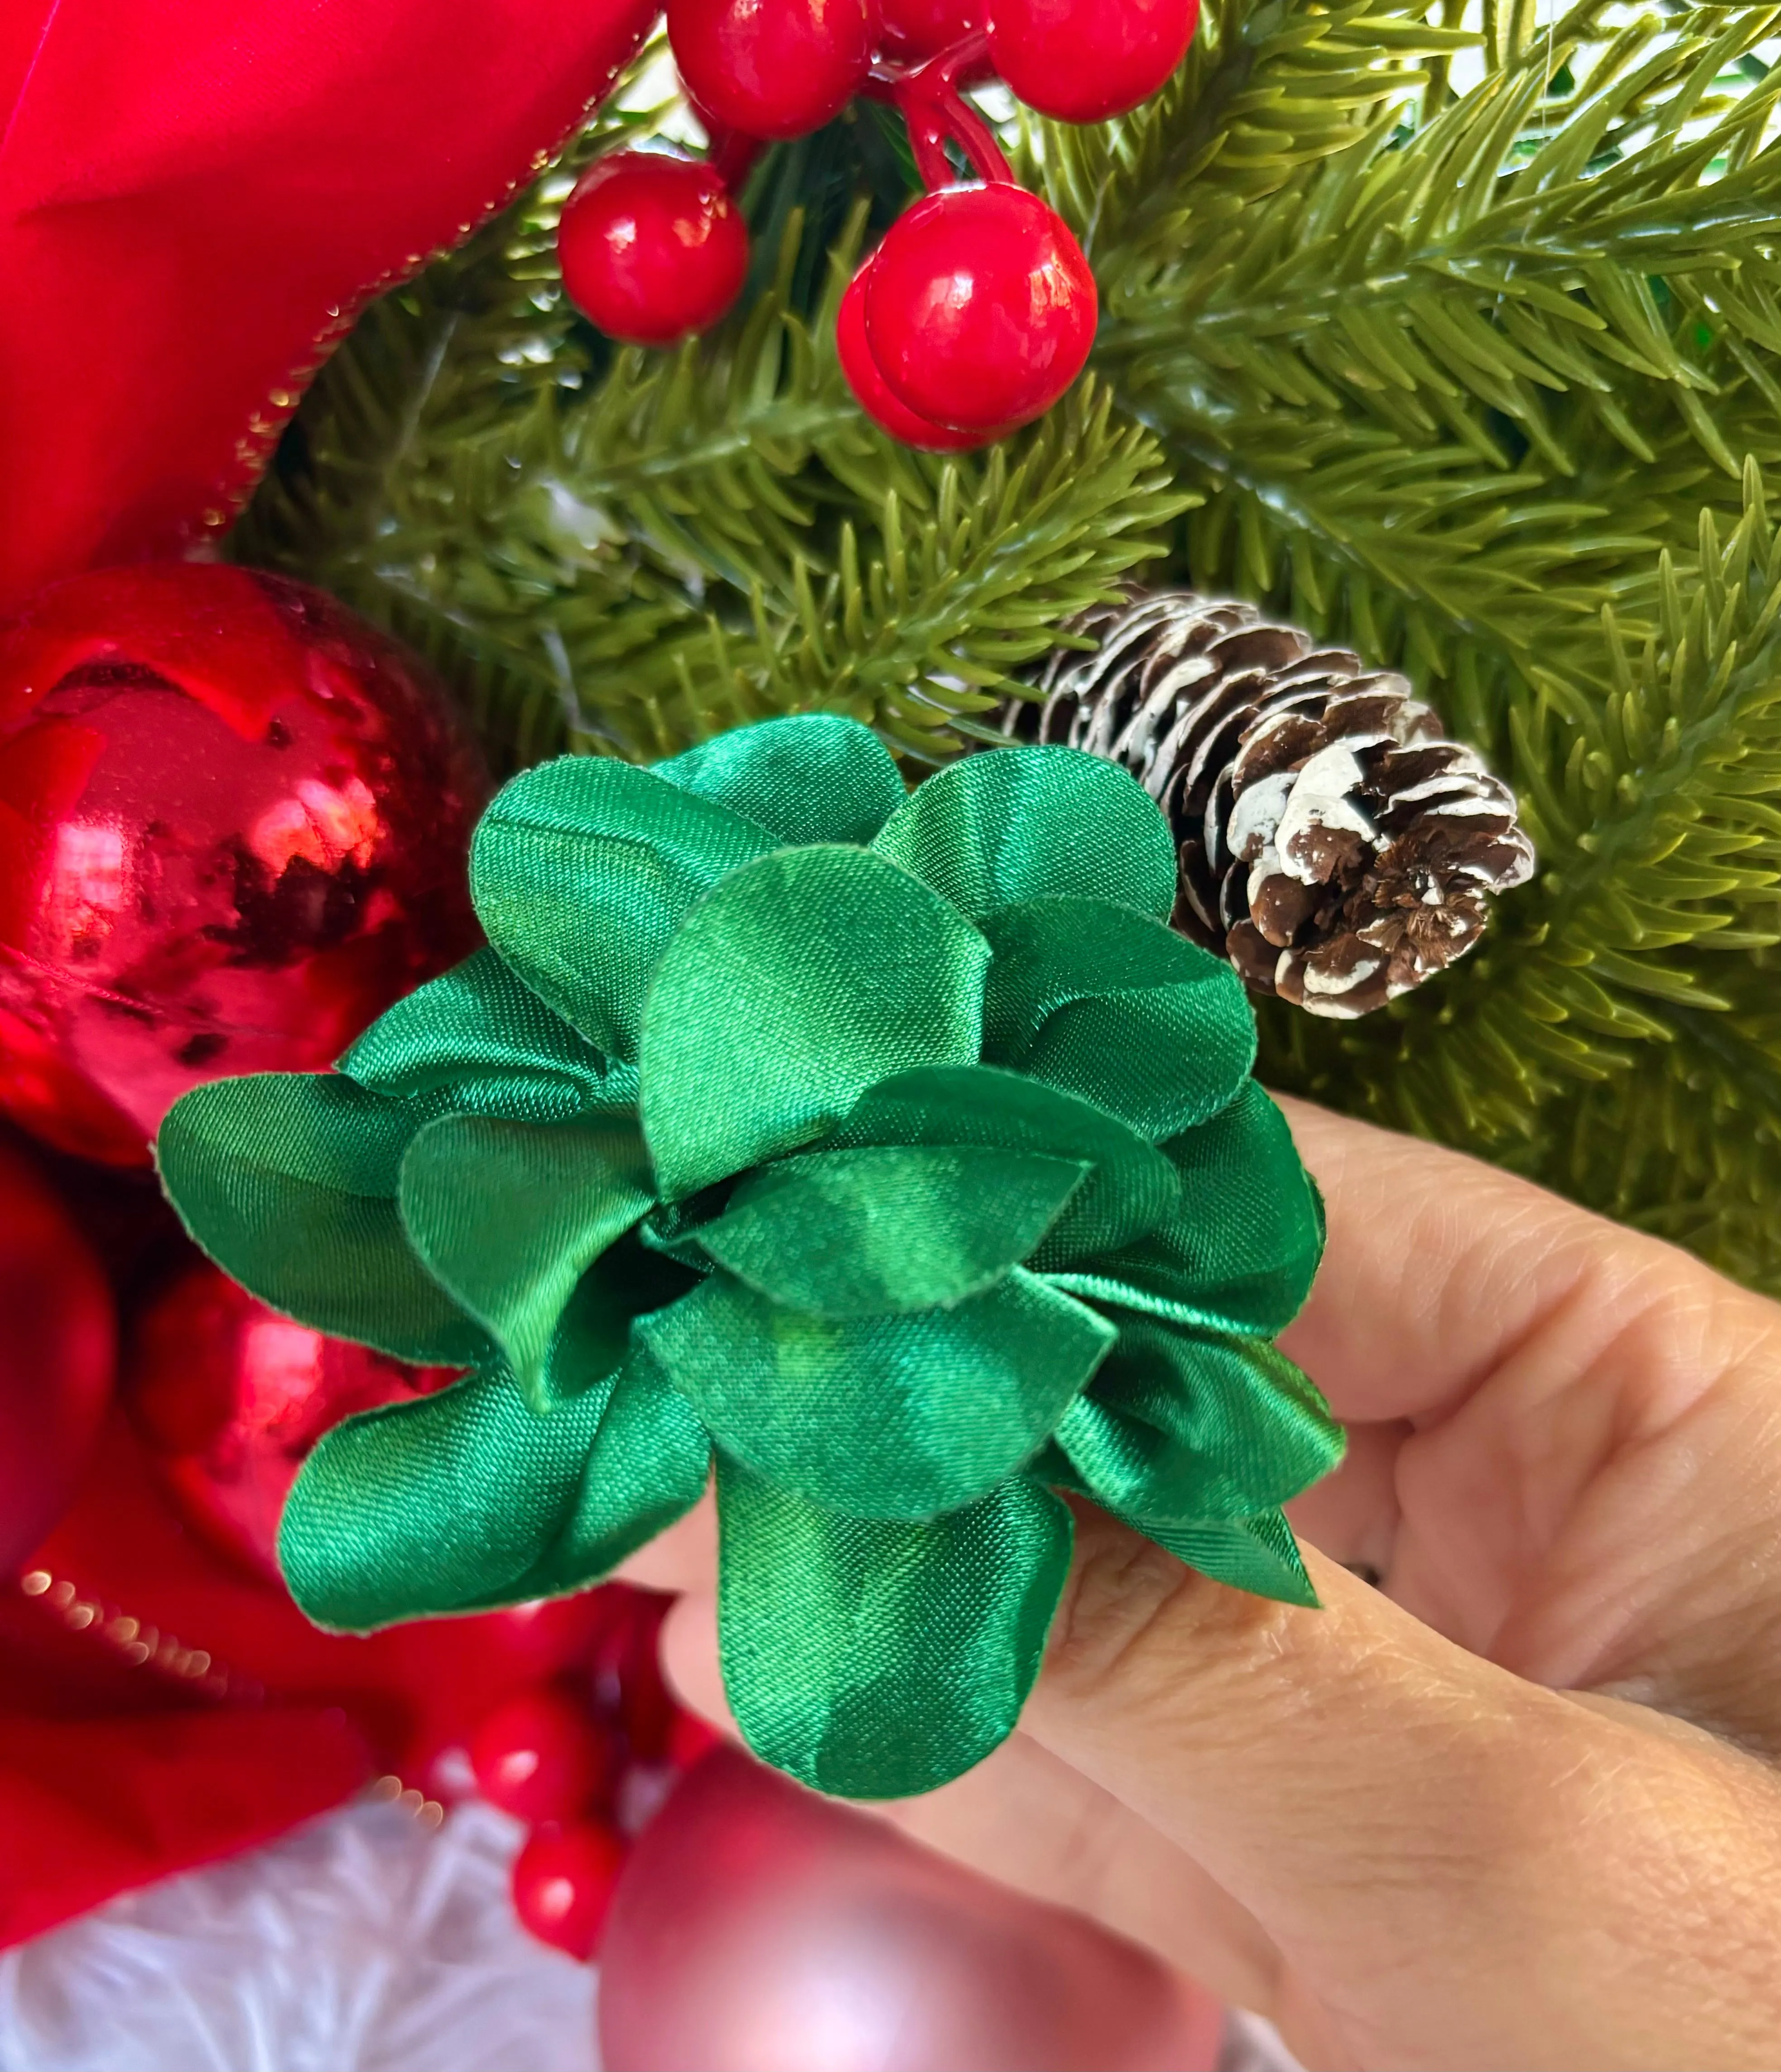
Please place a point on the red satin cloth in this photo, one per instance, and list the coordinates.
(196, 197)
(160, 1709)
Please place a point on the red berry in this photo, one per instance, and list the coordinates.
(980, 307)
(652, 247)
(874, 397)
(1083, 60)
(924, 28)
(541, 1756)
(773, 67)
(562, 1884)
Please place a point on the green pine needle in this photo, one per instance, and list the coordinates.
(1450, 333)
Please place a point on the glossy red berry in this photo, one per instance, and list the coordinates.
(980, 307)
(924, 28)
(541, 1757)
(1083, 60)
(773, 68)
(652, 248)
(563, 1880)
(874, 395)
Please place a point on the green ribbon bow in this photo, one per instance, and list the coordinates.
(888, 1147)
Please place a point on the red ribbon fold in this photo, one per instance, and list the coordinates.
(195, 197)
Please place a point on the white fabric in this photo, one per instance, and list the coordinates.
(364, 1943)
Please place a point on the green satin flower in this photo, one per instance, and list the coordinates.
(887, 1147)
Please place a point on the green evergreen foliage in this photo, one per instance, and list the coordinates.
(1483, 381)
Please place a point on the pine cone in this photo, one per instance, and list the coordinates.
(1334, 844)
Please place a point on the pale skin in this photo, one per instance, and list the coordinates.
(1519, 1806)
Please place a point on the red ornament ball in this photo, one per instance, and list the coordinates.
(760, 1924)
(924, 28)
(980, 307)
(652, 248)
(234, 822)
(873, 393)
(773, 68)
(1083, 60)
(230, 1397)
(58, 1346)
(563, 1882)
(541, 1756)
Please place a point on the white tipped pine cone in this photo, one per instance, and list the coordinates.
(1334, 843)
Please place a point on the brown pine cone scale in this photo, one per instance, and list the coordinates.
(1334, 843)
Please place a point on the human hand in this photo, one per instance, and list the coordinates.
(1519, 1806)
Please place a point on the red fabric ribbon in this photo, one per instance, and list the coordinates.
(126, 1754)
(195, 197)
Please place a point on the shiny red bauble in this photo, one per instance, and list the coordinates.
(229, 1397)
(58, 1342)
(563, 1881)
(233, 826)
(541, 1757)
(761, 1929)
(773, 68)
(652, 247)
(873, 391)
(924, 28)
(980, 307)
(1083, 60)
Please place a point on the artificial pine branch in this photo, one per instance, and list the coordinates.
(1480, 382)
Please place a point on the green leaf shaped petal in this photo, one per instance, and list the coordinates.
(649, 1464)
(1131, 1190)
(884, 1416)
(1238, 1404)
(792, 987)
(582, 869)
(1242, 1252)
(486, 1041)
(1139, 1470)
(288, 1180)
(882, 1231)
(874, 1659)
(810, 777)
(1111, 1005)
(509, 1215)
(465, 1500)
(1257, 1554)
(1021, 823)
(441, 1505)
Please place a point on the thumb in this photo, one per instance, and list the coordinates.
(1457, 1866)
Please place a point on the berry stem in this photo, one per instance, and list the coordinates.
(930, 97)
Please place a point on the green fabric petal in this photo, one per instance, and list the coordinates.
(580, 871)
(1238, 1404)
(1131, 1189)
(465, 1500)
(288, 1180)
(1242, 1252)
(792, 987)
(810, 777)
(1256, 1554)
(485, 1040)
(875, 1659)
(1110, 1005)
(882, 1231)
(433, 1505)
(509, 1215)
(1136, 1469)
(649, 1464)
(1020, 823)
(881, 1416)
